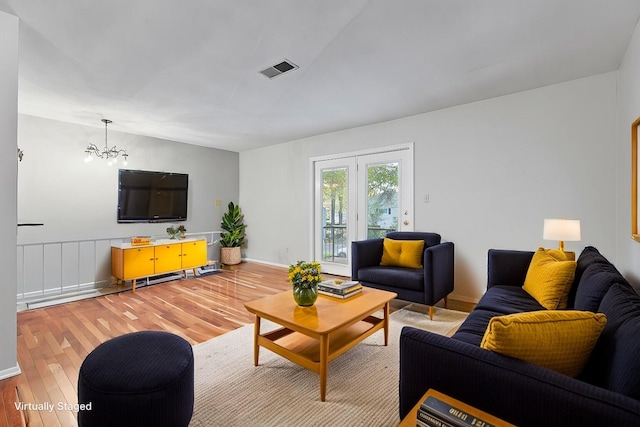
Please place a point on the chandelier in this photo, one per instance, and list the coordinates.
(110, 154)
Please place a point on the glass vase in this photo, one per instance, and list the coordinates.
(305, 296)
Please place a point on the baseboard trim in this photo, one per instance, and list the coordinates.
(275, 264)
(10, 372)
(462, 298)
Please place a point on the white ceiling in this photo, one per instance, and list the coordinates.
(188, 70)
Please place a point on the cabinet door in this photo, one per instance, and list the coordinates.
(138, 262)
(194, 254)
(168, 258)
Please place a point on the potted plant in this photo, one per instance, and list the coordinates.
(173, 231)
(233, 236)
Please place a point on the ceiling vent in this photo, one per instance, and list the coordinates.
(279, 69)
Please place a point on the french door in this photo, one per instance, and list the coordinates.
(360, 196)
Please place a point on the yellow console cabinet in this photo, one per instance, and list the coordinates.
(135, 262)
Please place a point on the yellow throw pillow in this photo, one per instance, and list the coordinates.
(402, 253)
(561, 340)
(550, 276)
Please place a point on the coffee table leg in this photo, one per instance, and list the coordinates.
(256, 347)
(386, 324)
(324, 364)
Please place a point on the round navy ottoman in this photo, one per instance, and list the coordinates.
(138, 379)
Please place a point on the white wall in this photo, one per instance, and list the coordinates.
(493, 170)
(628, 250)
(8, 165)
(77, 200)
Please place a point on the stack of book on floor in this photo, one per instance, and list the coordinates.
(439, 410)
(339, 288)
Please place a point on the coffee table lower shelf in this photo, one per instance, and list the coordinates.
(306, 351)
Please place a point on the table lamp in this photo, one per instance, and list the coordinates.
(561, 230)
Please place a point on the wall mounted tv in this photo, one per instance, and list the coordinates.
(147, 196)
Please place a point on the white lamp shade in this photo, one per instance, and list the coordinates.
(561, 229)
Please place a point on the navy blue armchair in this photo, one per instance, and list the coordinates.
(426, 285)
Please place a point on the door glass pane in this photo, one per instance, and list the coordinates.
(334, 215)
(382, 199)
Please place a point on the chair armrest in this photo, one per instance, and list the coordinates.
(365, 253)
(516, 391)
(438, 263)
(507, 267)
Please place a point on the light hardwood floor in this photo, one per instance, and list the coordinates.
(53, 341)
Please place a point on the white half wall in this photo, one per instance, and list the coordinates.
(493, 171)
(8, 169)
(628, 250)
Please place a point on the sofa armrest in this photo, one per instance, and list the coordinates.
(507, 267)
(438, 262)
(365, 253)
(516, 391)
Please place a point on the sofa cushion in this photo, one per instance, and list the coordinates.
(595, 281)
(474, 326)
(549, 278)
(504, 299)
(614, 363)
(497, 301)
(405, 278)
(402, 253)
(561, 340)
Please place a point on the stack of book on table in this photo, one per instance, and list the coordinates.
(439, 410)
(339, 288)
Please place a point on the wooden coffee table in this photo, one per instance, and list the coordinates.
(313, 336)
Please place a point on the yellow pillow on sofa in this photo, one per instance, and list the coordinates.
(402, 253)
(550, 276)
(561, 340)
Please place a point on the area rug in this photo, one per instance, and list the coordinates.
(362, 384)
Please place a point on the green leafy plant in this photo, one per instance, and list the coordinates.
(233, 226)
(173, 231)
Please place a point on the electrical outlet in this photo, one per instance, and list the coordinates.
(218, 202)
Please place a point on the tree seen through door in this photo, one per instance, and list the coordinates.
(382, 207)
(334, 214)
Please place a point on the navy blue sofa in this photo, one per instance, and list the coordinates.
(426, 285)
(606, 393)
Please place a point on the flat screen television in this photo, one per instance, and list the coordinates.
(148, 196)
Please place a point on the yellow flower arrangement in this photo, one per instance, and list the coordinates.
(305, 274)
